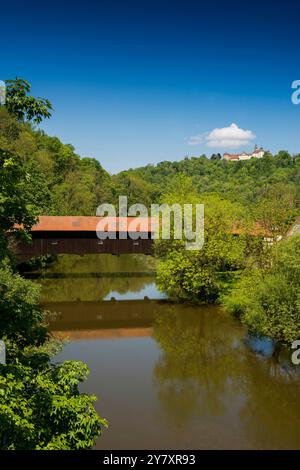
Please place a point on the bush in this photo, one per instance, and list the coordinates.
(181, 277)
(44, 410)
(268, 302)
(40, 403)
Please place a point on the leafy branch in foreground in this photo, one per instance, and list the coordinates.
(24, 106)
(41, 406)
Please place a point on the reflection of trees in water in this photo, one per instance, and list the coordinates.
(206, 370)
(102, 263)
(272, 411)
(194, 371)
(72, 288)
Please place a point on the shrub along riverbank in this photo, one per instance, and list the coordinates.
(261, 289)
(268, 300)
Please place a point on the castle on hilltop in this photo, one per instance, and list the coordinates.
(257, 153)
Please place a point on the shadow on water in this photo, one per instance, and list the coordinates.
(171, 375)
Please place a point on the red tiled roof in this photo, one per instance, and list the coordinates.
(257, 230)
(90, 223)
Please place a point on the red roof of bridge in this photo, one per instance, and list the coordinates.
(90, 224)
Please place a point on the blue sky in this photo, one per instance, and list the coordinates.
(132, 81)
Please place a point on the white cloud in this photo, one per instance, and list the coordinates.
(225, 137)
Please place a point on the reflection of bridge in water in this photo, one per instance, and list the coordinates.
(54, 235)
(107, 319)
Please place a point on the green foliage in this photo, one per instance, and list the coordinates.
(21, 319)
(276, 208)
(200, 275)
(264, 280)
(44, 409)
(183, 277)
(15, 198)
(69, 185)
(40, 403)
(24, 106)
(135, 188)
(59, 181)
(268, 301)
(244, 182)
(40, 407)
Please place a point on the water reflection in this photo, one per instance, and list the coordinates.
(183, 376)
(196, 353)
(207, 373)
(97, 277)
(264, 346)
(101, 319)
(149, 291)
(173, 376)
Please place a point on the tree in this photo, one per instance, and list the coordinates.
(216, 156)
(40, 406)
(23, 105)
(15, 208)
(268, 302)
(276, 209)
(201, 275)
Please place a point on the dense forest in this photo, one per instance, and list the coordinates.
(39, 175)
(63, 183)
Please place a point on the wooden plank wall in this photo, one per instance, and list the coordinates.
(81, 246)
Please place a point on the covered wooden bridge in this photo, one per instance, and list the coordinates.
(55, 235)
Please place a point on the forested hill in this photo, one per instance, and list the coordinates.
(62, 183)
(245, 181)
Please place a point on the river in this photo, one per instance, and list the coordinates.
(167, 376)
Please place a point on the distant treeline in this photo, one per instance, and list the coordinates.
(63, 183)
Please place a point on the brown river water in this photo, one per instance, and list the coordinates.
(168, 376)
